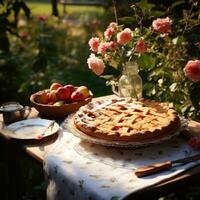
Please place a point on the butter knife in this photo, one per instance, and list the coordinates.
(161, 166)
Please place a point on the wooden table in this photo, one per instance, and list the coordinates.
(38, 149)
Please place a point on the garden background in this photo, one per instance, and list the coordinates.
(38, 48)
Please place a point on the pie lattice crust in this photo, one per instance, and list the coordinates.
(127, 119)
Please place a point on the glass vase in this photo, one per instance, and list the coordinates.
(130, 83)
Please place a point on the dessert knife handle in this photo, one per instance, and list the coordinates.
(151, 169)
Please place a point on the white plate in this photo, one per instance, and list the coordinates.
(31, 129)
(68, 124)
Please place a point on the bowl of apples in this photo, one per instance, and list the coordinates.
(60, 100)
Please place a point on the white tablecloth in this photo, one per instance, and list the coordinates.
(79, 170)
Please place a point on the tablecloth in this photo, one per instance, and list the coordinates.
(76, 169)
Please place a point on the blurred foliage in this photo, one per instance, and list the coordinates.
(9, 12)
(43, 49)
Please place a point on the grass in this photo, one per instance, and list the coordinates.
(38, 8)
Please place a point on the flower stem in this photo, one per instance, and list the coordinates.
(188, 17)
(115, 10)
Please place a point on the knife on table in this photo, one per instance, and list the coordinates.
(161, 166)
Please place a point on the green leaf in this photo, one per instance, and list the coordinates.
(146, 61)
(145, 6)
(157, 13)
(127, 20)
(177, 3)
(148, 88)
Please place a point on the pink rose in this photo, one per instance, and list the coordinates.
(94, 44)
(113, 25)
(95, 64)
(192, 70)
(124, 36)
(102, 48)
(162, 25)
(140, 46)
(42, 18)
(112, 45)
(109, 32)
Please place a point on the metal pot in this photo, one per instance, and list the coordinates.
(13, 111)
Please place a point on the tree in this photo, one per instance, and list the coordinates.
(54, 4)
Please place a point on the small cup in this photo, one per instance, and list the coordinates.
(13, 111)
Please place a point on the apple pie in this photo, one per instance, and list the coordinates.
(126, 119)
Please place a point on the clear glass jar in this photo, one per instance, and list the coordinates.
(130, 83)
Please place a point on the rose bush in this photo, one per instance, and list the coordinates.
(164, 43)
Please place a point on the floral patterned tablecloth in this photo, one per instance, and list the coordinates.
(76, 169)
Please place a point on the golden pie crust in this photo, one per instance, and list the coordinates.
(127, 119)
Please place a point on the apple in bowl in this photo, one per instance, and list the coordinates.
(60, 100)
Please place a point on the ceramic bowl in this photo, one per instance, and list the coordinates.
(57, 112)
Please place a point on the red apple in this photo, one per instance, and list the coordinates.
(55, 86)
(53, 95)
(42, 98)
(71, 88)
(77, 96)
(84, 90)
(63, 94)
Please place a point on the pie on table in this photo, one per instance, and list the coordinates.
(126, 119)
